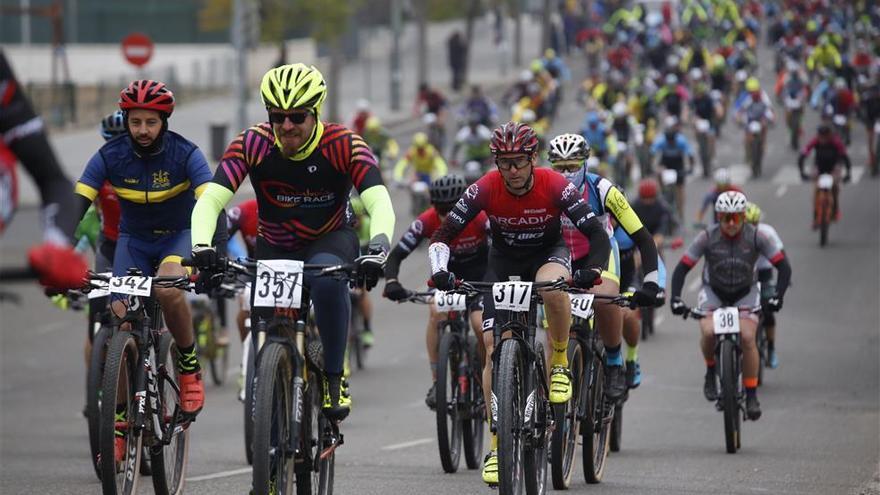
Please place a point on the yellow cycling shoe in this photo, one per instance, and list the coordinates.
(490, 468)
(560, 385)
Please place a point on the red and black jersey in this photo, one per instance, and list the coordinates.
(108, 203)
(828, 153)
(470, 247)
(527, 224)
(299, 201)
(244, 218)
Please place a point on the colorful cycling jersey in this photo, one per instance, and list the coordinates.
(604, 199)
(521, 225)
(625, 243)
(770, 232)
(244, 218)
(426, 161)
(828, 153)
(471, 246)
(730, 262)
(156, 192)
(108, 203)
(299, 201)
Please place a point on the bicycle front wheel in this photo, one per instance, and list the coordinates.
(273, 464)
(510, 385)
(563, 444)
(729, 395)
(249, 386)
(94, 380)
(448, 397)
(535, 458)
(119, 474)
(168, 461)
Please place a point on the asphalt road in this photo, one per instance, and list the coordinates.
(818, 435)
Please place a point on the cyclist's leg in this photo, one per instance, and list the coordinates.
(432, 339)
(244, 311)
(171, 250)
(748, 325)
(608, 316)
(707, 302)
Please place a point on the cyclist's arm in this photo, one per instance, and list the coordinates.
(198, 171)
(688, 261)
(841, 151)
(802, 157)
(408, 242)
(466, 209)
(231, 171)
(400, 168)
(439, 167)
(572, 203)
(617, 204)
(367, 179)
(22, 130)
(89, 185)
(770, 249)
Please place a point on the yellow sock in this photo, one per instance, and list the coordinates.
(559, 357)
(493, 441)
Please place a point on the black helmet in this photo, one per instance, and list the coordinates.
(824, 129)
(447, 189)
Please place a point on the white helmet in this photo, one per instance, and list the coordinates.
(670, 122)
(568, 147)
(731, 202)
(619, 109)
(528, 116)
(363, 105)
(525, 76)
(722, 176)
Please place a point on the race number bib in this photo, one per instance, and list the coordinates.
(726, 320)
(445, 302)
(826, 181)
(512, 296)
(278, 284)
(582, 305)
(103, 290)
(669, 176)
(133, 286)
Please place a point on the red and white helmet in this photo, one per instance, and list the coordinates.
(148, 95)
(513, 137)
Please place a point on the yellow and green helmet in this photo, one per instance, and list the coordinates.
(293, 86)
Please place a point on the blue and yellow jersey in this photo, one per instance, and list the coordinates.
(156, 192)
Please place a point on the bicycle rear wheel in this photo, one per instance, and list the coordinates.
(729, 392)
(117, 393)
(596, 428)
(474, 421)
(563, 444)
(94, 379)
(511, 401)
(451, 354)
(616, 435)
(169, 461)
(273, 464)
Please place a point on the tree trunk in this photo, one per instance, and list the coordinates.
(516, 12)
(336, 60)
(472, 13)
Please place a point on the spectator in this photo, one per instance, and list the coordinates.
(458, 48)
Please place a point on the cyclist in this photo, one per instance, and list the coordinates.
(302, 171)
(595, 132)
(568, 154)
(244, 219)
(824, 55)
(731, 248)
(474, 137)
(379, 140)
(653, 211)
(424, 159)
(627, 134)
(360, 221)
(479, 104)
(467, 258)
(722, 184)
(830, 151)
(754, 106)
(706, 108)
(363, 113)
(524, 204)
(674, 97)
(671, 148)
(765, 277)
(22, 137)
(869, 97)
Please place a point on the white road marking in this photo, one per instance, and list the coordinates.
(404, 445)
(221, 474)
(781, 190)
(693, 286)
(857, 173)
(659, 321)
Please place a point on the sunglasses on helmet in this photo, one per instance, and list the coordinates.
(295, 117)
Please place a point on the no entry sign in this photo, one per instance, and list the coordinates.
(137, 48)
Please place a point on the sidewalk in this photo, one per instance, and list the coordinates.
(368, 78)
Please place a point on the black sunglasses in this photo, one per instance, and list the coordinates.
(294, 117)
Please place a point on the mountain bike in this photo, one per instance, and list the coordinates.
(293, 442)
(589, 413)
(728, 356)
(521, 413)
(460, 411)
(140, 380)
(206, 325)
